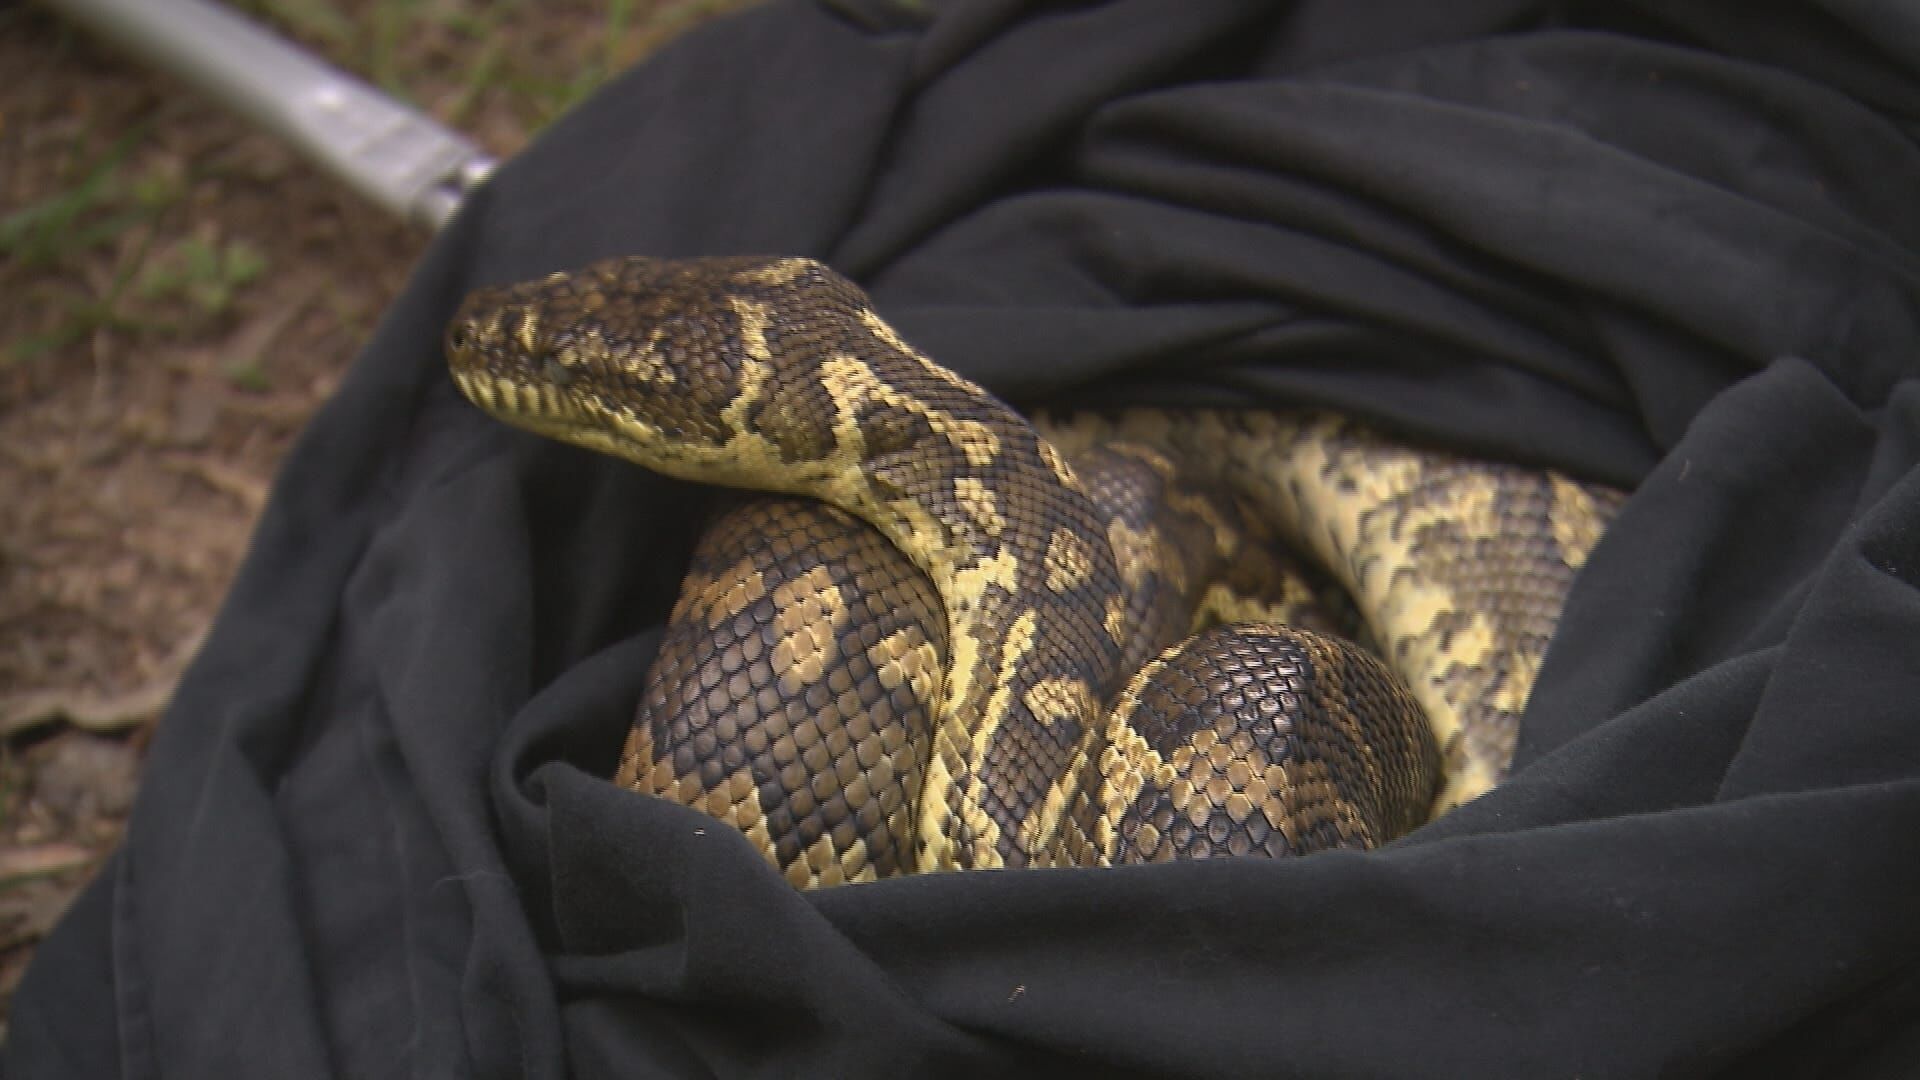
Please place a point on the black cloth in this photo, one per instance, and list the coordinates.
(1674, 247)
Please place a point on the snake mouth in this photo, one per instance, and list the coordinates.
(546, 410)
(538, 407)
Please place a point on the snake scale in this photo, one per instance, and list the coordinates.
(949, 636)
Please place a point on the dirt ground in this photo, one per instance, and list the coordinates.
(180, 293)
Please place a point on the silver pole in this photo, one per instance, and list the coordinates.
(392, 154)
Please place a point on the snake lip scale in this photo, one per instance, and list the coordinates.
(927, 656)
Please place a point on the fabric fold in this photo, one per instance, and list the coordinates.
(1671, 250)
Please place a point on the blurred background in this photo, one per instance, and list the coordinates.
(178, 292)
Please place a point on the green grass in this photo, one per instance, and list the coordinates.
(203, 273)
(169, 286)
(55, 234)
(486, 69)
(109, 199)
(92, 213)
(197, 276)
(538, 95)
(249, 374)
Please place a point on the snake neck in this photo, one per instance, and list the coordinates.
(1017, 552)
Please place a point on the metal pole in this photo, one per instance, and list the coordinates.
(390, 153)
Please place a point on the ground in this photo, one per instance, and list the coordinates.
(181, 293)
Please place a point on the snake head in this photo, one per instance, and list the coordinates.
(648, 359)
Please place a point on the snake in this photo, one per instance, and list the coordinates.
(944, 635)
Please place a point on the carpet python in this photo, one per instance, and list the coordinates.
(951, 637)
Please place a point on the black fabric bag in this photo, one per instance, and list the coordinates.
(1674, 247)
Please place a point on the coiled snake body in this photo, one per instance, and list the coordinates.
(856, 718)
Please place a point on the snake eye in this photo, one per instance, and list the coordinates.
(458, 336)
(556, 372)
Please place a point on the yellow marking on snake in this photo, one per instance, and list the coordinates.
(976, 440)
(906, 658)
(980, 505)
(1578, 520)
(779, 272)
(1062, 471)
(1135, 551)
(1115, 622)
(1069, 563)
(809, 612)
(716, 599)
(1058, 699)
(881, 331)
(643, 363)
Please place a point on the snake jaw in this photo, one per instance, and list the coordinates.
(554, 409)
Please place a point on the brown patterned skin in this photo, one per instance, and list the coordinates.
(1254, 739)
(1458, 567)
(775, 375)
(799, 671)
(794, 689)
